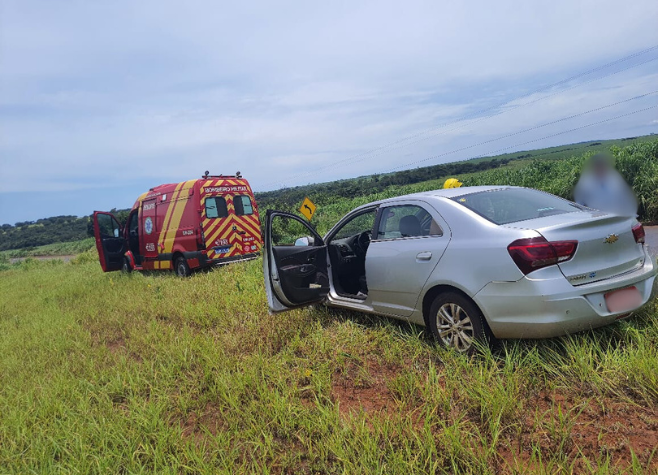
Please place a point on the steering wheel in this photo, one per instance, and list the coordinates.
(362, 242)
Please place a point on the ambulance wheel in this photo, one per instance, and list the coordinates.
(181, 267)
(125, 267)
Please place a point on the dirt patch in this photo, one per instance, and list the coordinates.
(14, 260)
(116, 346)
(198, 424)
(111, 336)
(586, 428)
(364, 387)
(562, 425)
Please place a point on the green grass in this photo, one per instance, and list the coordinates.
(55, 249)
(144, 373)
(148, 373)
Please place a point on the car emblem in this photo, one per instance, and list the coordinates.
(613, 238)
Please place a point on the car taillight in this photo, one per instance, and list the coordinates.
(534, 253)
(638, 233)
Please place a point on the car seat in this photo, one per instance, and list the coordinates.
(410, 226)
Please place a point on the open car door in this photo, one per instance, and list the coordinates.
(294, 263)
(110, 242)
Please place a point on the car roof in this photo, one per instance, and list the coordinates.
(441, 193)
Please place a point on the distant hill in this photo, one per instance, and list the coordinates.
(325, 193)
(29, 234)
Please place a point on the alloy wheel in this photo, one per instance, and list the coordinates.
(455, 327)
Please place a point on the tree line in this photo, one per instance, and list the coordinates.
(323, 193)
(638, 163)
(27, 234)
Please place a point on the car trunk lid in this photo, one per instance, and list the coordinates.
(606, 244)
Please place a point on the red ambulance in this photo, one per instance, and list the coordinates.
(184, 226)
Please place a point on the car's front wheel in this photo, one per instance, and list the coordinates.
(456, 322)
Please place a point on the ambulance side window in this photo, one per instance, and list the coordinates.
(243, 205)
(108, 226)
(216, 207)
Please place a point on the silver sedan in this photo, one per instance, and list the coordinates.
(469, 263)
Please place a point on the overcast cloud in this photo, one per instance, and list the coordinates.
(100, 101)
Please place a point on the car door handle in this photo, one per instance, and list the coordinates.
(424, 256)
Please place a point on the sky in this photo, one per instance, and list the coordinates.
(100, 101)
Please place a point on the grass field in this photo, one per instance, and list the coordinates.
(56, 249)
(111, 373)
(148, 373)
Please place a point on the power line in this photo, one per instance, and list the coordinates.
(483, 118)
(573, 116)
(409, 140)
(497, 152)
(500, 112)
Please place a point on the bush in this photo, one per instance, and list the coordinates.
(638, 164)
(90, 255)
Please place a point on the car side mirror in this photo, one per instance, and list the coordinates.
(305, 241)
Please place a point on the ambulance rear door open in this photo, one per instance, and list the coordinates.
(110, 242)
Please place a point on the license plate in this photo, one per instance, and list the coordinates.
(222, 250)
(623, 300)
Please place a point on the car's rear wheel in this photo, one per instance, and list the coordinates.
(456, 322)
(181, 267)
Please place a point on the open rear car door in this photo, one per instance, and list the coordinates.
(294, 263)
(110, 242)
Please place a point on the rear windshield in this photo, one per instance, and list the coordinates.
(216, 207)
(515, 204)
(243, 205)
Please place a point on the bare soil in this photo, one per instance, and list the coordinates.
(364, 388)
(577, 426)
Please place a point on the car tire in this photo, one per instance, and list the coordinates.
(181, 268)
(456, 322)
(125, 267)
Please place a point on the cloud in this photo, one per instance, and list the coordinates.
(98, 95)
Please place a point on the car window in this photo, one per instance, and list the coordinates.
(515, 204)
(287, 231)
(243, 205)
(357, 225)
(407, 221)
(216, 207)
(108, 226)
